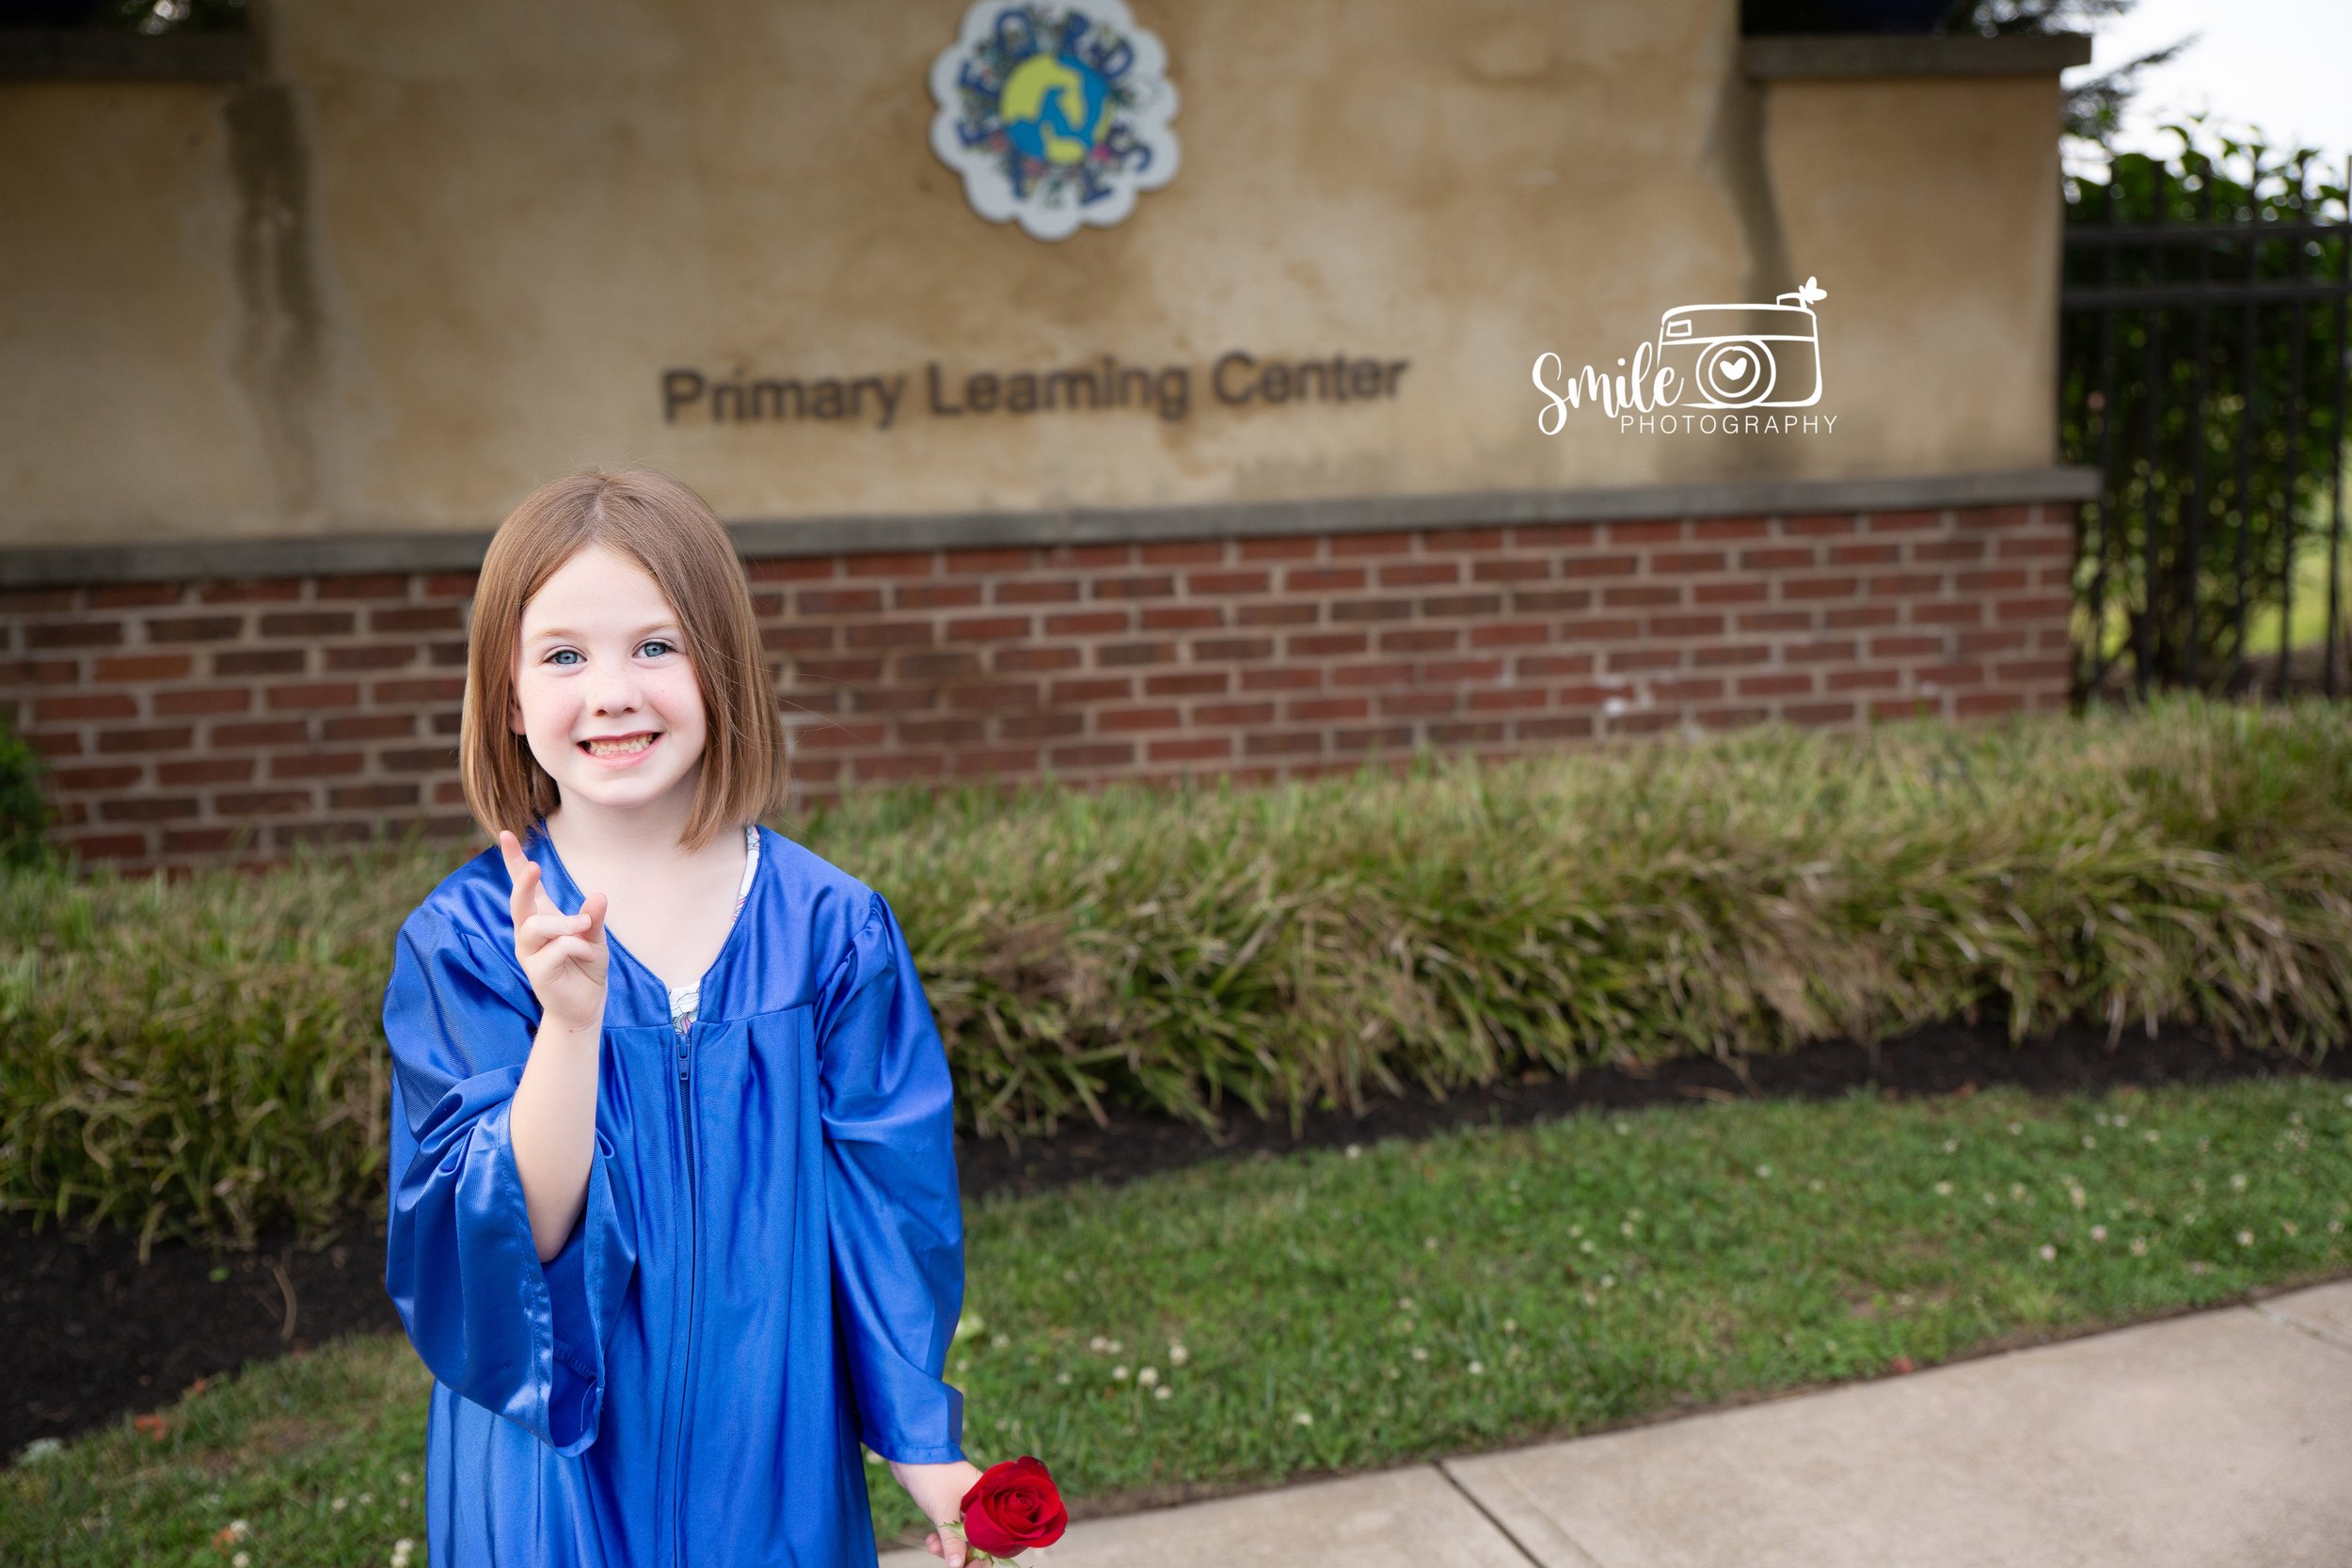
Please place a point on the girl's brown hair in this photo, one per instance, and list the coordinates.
(653, 519)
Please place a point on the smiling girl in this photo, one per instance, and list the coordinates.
(674, 1218)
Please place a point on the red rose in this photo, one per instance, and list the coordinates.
(1013, 1506)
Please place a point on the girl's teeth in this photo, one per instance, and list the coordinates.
(605, 749)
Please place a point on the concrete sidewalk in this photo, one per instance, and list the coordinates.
(2218, 1440)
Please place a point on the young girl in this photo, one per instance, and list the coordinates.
(674, 1217)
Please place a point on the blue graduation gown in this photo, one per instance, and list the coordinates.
(768, 1267)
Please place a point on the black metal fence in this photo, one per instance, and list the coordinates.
(2204, 369)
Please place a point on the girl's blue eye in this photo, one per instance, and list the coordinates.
(661, 643)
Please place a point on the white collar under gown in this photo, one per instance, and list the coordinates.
(768, 1267)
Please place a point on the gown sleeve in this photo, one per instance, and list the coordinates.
(893, 1208)
(487, 1319)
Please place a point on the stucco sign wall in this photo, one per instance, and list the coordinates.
(1056, 116)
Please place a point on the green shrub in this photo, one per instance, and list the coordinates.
(25, 813)
(206, 1059)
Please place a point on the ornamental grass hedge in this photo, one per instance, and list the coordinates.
(205, 1058)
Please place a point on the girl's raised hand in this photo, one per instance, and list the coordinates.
(564, 955)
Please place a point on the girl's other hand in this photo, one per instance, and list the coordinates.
(939, 1490)
(564, 955)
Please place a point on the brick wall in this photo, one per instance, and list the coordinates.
(316, 707)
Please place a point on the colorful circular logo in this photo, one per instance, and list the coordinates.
(1056, 116)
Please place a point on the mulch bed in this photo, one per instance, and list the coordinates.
(96, 1335)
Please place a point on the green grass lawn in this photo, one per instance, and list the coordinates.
(1239, 1326)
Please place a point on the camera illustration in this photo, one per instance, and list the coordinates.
(1746, 355)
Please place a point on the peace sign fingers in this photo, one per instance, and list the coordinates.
(529, 894)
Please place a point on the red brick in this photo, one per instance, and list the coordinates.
(840, 601)
(1122, 655)
(1349, 546)
(1158, 587)
(1420, 639)
(1510, 569)
(987, 628)
(1226, 582)
(935, 596)
(891, 564)
(118, 596)
(1478, 539)
(1846, 617)
(1186, 552)
(1187, 683)
(1818, 588)
(1658, 531)
(1296, 743)
(1275, 549)
(1706, 528)
(84, 704)
(74, 634)
(316, 764)
(1097, 689)
(1509, 634)
(1198, 749)
(1911, 584)
(2046, 606)
(1328, 645)
(1093, 623)
(1283, 613)
(201, 702)
(1035, 591)
(1023, 660)
(889, 634)
(1994, 516)
(1686, 560)
(1324, 710)
(1904, 522)
(1181, 618)
(1414, 574)
(1819, 525)
(1660, 593)
(1232, 713)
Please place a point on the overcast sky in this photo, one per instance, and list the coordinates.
(2281, 65)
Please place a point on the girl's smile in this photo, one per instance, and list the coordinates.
(622, 753)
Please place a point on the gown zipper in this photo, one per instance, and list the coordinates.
(686, 1115)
